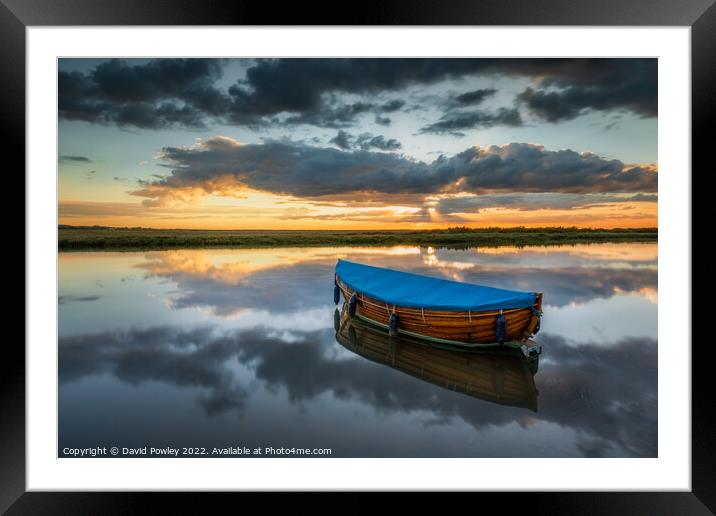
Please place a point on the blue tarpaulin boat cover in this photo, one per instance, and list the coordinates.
(416, 291)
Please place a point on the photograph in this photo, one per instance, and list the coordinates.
(357, 257)
(440, 248)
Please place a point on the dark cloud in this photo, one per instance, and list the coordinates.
(223, 165)
(455, 122)
(393, 105)
(61, 300)
(642, 198)
(265, 93)
(365, 141)
(383, 120)
(457, 119)
(552, 106)
(332, 117)
(184, 92)
(368, 141)
(160, 93)
(532, 168)
(310, 79)
(628, 84)
(342, 140)
(474, 97)
(74, 159)
(338, 115)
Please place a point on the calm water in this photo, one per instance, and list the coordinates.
(233, 348)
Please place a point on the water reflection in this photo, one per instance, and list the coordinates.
(498, 376)
(235, 347)
(278, 280)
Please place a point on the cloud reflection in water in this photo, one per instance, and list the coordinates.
(595, 398)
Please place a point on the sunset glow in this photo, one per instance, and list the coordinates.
(413, 145)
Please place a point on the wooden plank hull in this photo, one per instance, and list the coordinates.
(499, 377)
(448, 326)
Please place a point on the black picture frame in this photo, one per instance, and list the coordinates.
(17, 15)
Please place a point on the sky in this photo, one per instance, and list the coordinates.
(364, 143)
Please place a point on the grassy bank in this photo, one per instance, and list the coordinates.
(74, 238)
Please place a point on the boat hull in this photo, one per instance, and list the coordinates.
(447, 326)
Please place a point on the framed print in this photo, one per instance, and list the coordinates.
(419, 251)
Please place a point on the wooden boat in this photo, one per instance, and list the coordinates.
(498, 377)
(440, 310)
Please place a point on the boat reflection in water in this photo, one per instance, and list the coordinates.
(502, 376)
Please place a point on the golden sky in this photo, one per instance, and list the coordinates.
(415, 143)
